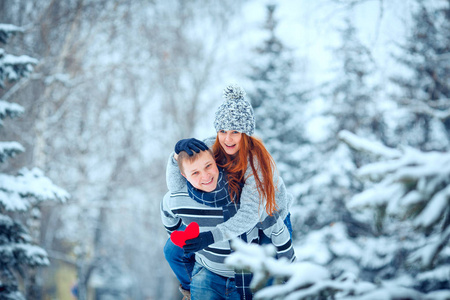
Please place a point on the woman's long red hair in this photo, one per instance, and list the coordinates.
(250, 149)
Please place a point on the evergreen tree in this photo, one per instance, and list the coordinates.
(412, 187)
(325, 220)
(278, 102)
(19, 195)
(409, 197)
(351, 94)
(425, 86)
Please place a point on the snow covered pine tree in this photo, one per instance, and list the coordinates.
(412, 187)
(21, 193)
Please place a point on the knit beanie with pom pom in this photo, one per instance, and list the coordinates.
(235, 113)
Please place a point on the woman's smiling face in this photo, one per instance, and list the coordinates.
(230, 141)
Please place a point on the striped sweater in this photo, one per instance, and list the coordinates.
(178, 209)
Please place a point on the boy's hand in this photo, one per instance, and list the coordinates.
(190, 145)
(203, 240)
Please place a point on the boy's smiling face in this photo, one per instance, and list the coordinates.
(202, 173)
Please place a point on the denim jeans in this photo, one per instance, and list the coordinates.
(208, 285)
(287, 222)
(180, 263)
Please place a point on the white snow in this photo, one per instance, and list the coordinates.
(10, 108)
(365, 145)
(438, 295)
(441, 272)
(19, 60)
(10, 148)
(435, 208)
(10, 28)
(16, 190)
(428, 170)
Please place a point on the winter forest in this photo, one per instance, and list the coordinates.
(352, 99)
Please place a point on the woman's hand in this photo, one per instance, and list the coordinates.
(189, 145)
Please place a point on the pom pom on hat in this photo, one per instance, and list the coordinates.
(235, 113)
(233, 92)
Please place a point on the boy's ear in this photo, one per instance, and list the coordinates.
(183, 175)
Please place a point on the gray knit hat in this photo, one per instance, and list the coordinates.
(235, 113)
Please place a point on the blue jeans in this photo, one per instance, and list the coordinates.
(180, 263)
(288, 223)
(208, 285)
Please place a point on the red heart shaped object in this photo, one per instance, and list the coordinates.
(179, 237)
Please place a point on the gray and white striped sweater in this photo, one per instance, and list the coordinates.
(178, 209)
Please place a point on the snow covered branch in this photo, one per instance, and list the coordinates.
(420, 107)
(302, 280)
(7, 30)
(19, 248)
(417, 182)
(428, 253)
(16, 192)
(10, 149)
(364, 145)
(9, 110)
(14, 67)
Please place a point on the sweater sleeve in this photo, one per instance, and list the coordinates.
(280, 237)
(251, 211)
(282, 197)
(169, 220)
(249, 214)
(174, 180)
